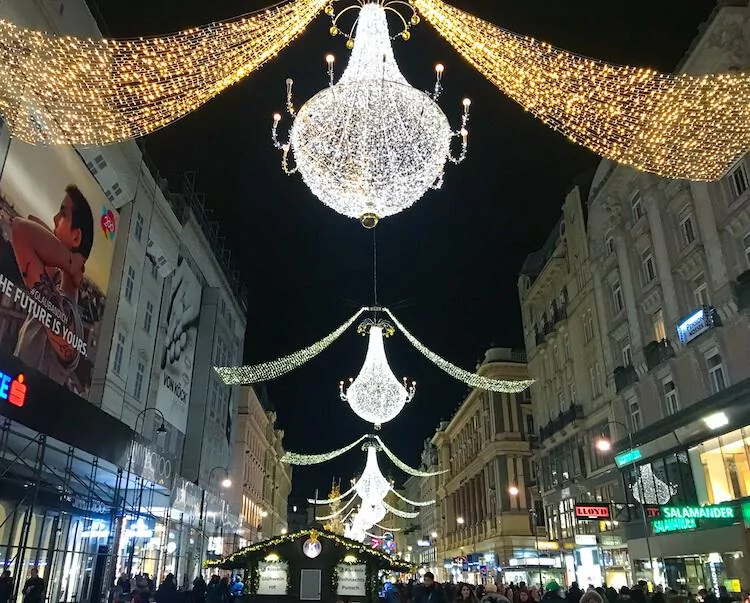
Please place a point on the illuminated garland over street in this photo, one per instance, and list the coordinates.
(415, 503)
(399, 512)
(83, 91)
(403, 466)
(472, 379)
(677, 126)
(257, 373)
(293, 458)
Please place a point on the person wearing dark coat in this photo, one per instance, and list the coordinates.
(167, 591)
(429, 591)
(199, 590)
(33, 590)
(574, 593)
(6, 587)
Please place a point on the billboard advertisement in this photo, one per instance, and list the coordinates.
(176, 353)
(57, 240)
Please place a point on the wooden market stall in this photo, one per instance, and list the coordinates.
(310, 565)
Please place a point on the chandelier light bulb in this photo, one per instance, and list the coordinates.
(376, 395)
(330, 59)
(371, 145)
(277, 117)
(439, 68)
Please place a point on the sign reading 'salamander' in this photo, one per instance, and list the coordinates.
(351, 580)
(272, 578)
(57, 237)
(177, 351)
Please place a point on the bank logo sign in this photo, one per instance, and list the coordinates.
(13, 390)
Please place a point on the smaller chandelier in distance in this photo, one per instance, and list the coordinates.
(370, 145)
(376, 395)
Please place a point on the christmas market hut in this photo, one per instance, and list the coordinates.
(310, 565)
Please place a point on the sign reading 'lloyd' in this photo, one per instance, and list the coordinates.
(272, 577)
(351, 580)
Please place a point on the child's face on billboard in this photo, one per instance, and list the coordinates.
(69, 236)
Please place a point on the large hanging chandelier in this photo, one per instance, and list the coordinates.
(372, 486)
(371, 145)
(376, 395)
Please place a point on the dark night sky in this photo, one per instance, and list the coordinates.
(451, 261)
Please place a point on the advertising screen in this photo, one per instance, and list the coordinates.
(57, 238)
(176, 353)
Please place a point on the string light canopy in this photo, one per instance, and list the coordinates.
(83, 91)
(370, 145)
(676, 126)
(247, 375)
(376, 395)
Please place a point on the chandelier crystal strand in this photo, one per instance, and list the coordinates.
(677, 126)
(376, 395)
(337, 513)
(403, 466)
(372, 486)
(370, 145)
(86, 91)
(328, 501)
(293, 458)
(257, 373)
(472, 379)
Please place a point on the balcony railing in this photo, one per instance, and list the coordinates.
(624, 376)
(562, 420)
(657, 352)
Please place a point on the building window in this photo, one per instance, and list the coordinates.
(688, 230)
(636, 205)
(594, 376)
(716, 376)
(566, 347)
(139, 226)
(671, 400)
(138, 387)
(129, 282)
(636, 422)
(609, 245)
(561, 402)
(627, 355)
(119, 352)
(617, 299)
(154, 271)
(738, 181)
(700, 291)
(657, 319)
(726, 467)
(746, 243)
(649, 270)
(148, 317)
(588, 330)
(573, 397)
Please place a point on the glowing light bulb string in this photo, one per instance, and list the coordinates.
(294, 458)
(337, 513)
(425, 503)
(327, 501)
(403, 466)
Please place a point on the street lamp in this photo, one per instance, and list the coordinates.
(225, 483)
(604, 444)
(513, 490)
(460, 521)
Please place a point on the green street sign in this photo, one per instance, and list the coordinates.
(628, 457)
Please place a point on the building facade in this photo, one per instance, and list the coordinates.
(124, 430)
(263, 493)
(485, 529)
(660, 486)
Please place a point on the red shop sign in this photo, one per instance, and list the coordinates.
(592, 511)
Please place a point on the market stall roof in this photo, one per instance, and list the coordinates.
(287, 545)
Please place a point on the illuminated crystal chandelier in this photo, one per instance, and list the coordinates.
(648, 489)
(372, 486)
(371, 145)
(376, 395)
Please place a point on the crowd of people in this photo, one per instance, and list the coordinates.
(432, 592)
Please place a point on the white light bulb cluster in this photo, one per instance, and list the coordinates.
(370, 145)
(257, 373)
(648, 489)
(293, 458)
(472, 379)
(372, 486)
(399, 512)
(376, 395)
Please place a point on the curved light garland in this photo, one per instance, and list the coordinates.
(83, 91)
(676, 126)
(403, 466)
(415, 503)
(336, 513)
(371, 145)
(328, 501)
(472, 379)
(293, 458)
(399, 512)
(376, 395)
(257, 373)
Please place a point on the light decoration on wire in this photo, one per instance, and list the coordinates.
(403, 466)
(336, 513)
(372, 486)
(376, 395)
(399, 512)
(648, 489)
(472, 379)
(246, 375)
(294, 458)
(425, 503)
(85, 91)
(678, 126)
(333, 499)
(371, 145)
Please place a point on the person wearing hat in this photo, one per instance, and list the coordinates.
(492, 596)
(553, 592)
